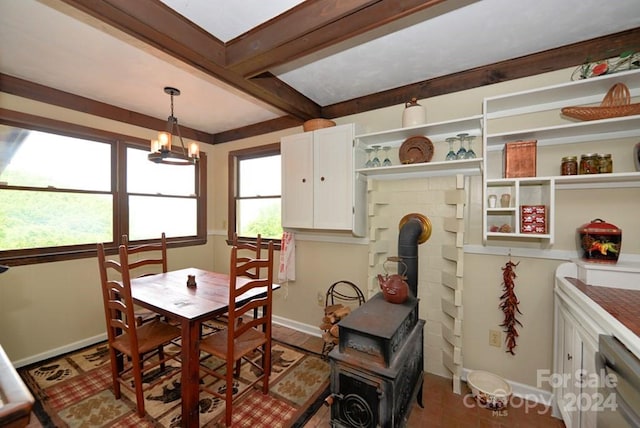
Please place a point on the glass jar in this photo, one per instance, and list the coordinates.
(605, 164)
(569, 165)
(589, 164)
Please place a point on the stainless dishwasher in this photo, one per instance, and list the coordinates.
(619, 390)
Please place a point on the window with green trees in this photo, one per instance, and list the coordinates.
(255, 189)
(61, 194)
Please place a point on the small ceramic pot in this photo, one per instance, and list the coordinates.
(599, 241)
(413, 114)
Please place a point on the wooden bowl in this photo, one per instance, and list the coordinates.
(313, 124)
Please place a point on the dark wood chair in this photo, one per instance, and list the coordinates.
(247, 250)
(143, 346)
(250, 250)
(246, 334)
(151, 258)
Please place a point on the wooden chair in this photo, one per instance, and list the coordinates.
(251, 250)
(245, 334)
(143, 346)
(151, 258)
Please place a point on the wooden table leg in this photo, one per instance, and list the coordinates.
(190, 374)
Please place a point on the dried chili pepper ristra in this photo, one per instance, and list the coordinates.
(509, 306)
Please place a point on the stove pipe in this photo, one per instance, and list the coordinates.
(414, 229)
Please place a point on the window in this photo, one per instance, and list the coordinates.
(62, 192)
(254, 192)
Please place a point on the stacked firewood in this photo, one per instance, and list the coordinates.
(332, 316)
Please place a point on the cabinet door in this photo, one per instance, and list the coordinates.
(589, 393)
(333, 178)
(571, 364)
(297, 180)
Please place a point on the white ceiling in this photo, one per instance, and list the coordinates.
(51, 43)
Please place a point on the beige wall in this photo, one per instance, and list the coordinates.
(55, 305)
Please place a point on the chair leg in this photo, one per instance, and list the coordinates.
(116, 367)
(161, 357)
(238, 364)
(266, 367)
(137, 378)
(229, 398)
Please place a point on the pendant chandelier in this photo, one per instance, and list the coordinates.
(161, 147)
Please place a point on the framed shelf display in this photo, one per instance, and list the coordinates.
(508, 118)
(392, 140)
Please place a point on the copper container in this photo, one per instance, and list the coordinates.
(599, 241)
(519, 158)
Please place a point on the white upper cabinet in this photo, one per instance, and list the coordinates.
(320, 189)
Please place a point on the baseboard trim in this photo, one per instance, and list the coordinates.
(60, 351)
(295, 325)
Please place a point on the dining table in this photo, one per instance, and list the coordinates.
(169, 295)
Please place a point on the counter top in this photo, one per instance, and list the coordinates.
(622, 304)
(614, 310)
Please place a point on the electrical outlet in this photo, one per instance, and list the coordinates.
(320, 298)
(495, 338)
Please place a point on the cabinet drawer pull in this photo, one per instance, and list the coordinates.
(569, 357)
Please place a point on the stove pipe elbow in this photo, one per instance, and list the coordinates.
(414, 229)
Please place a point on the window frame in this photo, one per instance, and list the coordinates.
(119, 144)
(233, 158)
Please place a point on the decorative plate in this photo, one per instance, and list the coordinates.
(416, 149)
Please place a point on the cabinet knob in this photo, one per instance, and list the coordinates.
(569, 357)
(321, 178)
(304, 180)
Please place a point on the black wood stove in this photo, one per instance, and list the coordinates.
(378, 366)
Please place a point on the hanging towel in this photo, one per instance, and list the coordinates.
(287, 270)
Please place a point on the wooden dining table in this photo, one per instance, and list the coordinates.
(168, 295)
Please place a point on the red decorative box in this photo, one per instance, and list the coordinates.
(533, 219)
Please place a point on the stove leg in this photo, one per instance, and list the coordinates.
(419, 395)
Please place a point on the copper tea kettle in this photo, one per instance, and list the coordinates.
(394, 287)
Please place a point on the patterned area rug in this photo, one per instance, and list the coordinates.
(75, 390)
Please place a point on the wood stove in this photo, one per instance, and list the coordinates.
(378, 367)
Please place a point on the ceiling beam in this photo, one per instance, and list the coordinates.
(157, 25)
(571, 55)
(34, 91)
(310, 27)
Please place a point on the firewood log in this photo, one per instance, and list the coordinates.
(332, 308)
(335, 330)
(325, 326)
(327, 337)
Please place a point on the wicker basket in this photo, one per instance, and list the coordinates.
(313, 124)
(615, 103)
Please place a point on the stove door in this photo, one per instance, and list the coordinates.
(358, 402)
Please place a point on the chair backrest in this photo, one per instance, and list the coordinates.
(116, 294)
(250, 250)
(150, 258)
(240, 284)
